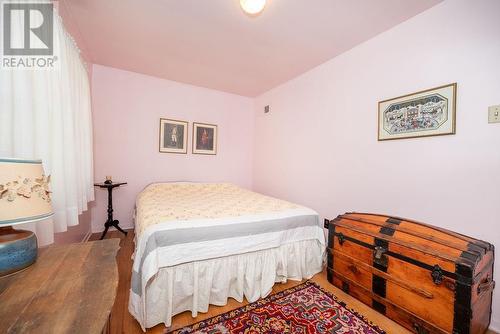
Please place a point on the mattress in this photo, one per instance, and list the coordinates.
(182, 202)
(180, 223)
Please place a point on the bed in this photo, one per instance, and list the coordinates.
(200, 243)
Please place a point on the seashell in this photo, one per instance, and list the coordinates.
(11, 196)
(24, 191)
(3, 191)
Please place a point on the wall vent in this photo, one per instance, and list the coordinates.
(266, 109)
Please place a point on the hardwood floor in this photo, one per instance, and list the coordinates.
(123, 322)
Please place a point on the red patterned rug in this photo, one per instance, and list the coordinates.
(304, 309)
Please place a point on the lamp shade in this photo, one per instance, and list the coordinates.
(24, 192)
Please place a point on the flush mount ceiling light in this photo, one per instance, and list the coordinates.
(252, 7)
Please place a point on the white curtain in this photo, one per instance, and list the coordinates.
(46, 114)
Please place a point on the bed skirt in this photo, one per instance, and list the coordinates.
(194, 286)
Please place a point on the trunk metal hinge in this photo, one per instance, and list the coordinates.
(341, 238)
(437, 275)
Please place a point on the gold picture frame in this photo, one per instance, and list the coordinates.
(430, 112)
(173, 136)
(204, 139)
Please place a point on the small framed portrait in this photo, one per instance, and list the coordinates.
(173, 136)
(204, 138)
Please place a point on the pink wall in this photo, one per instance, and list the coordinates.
(126, 113)
(318, 145)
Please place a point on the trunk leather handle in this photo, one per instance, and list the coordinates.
(486, 285)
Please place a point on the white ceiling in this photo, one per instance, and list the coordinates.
(214, 44)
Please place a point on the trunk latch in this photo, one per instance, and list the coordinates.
(379, 256)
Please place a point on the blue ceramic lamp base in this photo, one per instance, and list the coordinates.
(18, 250)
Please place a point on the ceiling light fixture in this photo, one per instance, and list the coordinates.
(252, 7)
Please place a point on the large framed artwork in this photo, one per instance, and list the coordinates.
(204, 138)
(427, 113)
(173, 136)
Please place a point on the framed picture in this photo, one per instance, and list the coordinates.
(427, 113)
(173, 136)
(204, 138)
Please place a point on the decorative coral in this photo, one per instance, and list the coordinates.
(26, 187)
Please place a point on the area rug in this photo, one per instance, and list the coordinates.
(304, 309)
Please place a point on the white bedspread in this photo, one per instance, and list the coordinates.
(189, 263)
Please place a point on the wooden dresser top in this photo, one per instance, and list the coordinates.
(70, 289)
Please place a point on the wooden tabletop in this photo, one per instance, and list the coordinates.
(70, 289)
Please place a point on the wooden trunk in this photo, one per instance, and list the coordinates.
(427, 279)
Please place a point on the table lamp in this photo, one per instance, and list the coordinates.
(24, 198)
